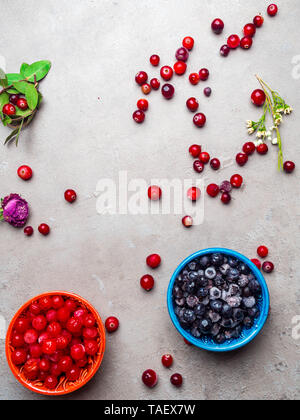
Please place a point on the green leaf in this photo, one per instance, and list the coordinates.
(12, 91)
(19, 131)
(13, 77)
(39, 68)
(6, 120)
(31, 96)
(11, 136)
(40, 99)
(21, 113)
(4, 99)
(21, 86)
(23, 67)
(3, 78)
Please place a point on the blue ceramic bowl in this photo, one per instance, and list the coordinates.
(207, 343)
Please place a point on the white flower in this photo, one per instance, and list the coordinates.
(275, 141)
(249, 123)
(268, 134)
(258, 142)
(251, 131)
(280, 110)
(288, 110)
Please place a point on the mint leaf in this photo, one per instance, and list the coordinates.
(40, 69)
(31, 96)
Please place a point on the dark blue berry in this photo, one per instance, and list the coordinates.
(238, 314)
(253, 313)
(227, 311)
(205, 325)
(255, 287)
(210, 273)
(244, 269)
(217, 259)
(248, 322)
(192, 301)
(216, 305)
(220, 338)
(233, 274)
(202, 292)
(195, 332)
(204, 261)
(200, 309)
(189, 315)
(233, 262)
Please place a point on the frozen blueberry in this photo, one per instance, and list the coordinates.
(200, 273)
(214, 316)
(229, 334)
(192, 301)
(226, 322)
(202, 282)
(233, 290)
(200, 309)
(177, 292)
(253, 312)
(192, 266)
(189, 316)
(204, 261)
(215, 329)
(246, 292)
(193, 275)
(202, 292)
(180, 302)
(227, 311)
(224, 268)
(218, 280)
(195, 332)
(238, 315)
(248, 322)
(233, 262)
(249, 302)
(233, 274)
(255, 287)
(236, 332)
(210, 273)
(220, 338)
(205, 300)
(190, 287)
(217, 259)
(215, 293)
(243, 281)
(179, 279)
(243, 268)
(234, 301)
(205, 325)
(216, 305)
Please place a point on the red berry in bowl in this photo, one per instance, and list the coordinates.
(257, 263)
(268, 267)
(224, 50)
(182, 54)
(246, 42)
(13, 99)
(249, 148)
(258, 97)
(22, 324)
(213, 190)
(241, 159)
(187, 221)
(289, 166)
(153, 260)
(233, 42)
(262, 251)
(194, 78)
(204, 157)
(167, 91)
(24, 172)
(35, 350)
(195, 150)
(138, 116)
(89, 321)
(141, 77)
(71, 305)
(112, 324)
(203, 74)
(207, 91)
(70, 196)
(149, 377)
(62, 342)
(180, 67)
(39, 323)
(52, 315)
(90, 333)
(236, 181)
(91, 348)
(17, 340)
(147, 282)
(54, 329)
(198, 166)
(74, 325)
(154, 193)
(188, 43)
(155, 83)
(44, 229)
(166, 72)
(28, 231)
(272, 10)
(77, 352)
(146, 88)
(215, 164)
(258, 21)
(49, 346)
(142, 104)
(176, 380)
(65, 364)
(30, 336)
(249, 29)
(22, 104)
(217, 26)
(167, 360)
(199, 120)
(19, 357)
(154, 60)
(194, 193)
(192, 104)
(57, 302)
(73, 374)
(44, 365)
(225, 198)
(45, 303)
(9, 109)
(262, 149)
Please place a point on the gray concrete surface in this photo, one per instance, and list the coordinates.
(84, 132)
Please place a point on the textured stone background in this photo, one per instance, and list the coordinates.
(85, 132)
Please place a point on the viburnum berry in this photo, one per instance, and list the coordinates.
(180, 68)
(155, 83)
(262, 149)
(213, 190)
(258, 21)
(153, 260)
(9, 110)
(236, 181)
(233, 41)
(192, 104)
(258, 97)
(199, 120)
(195, 150)
(154, 193)
(147, 282)
(249, 148)
(289, 166)
(204, 157)
(70, 196)
(262, 251)
(249, 29)
(246, 43)
(149, 377)
(194, 78)
(22, 104)
(257, 263)
(111, 324)
(272, 10)
(194, 193)
(142, 104)
(188, 43)
(167, 360)
(241, 159)
(166, 72)
(25, 172)
(154, 60)
(141, 77)
(138, 116)
(44, 229)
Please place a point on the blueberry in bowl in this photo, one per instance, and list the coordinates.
(218, 299)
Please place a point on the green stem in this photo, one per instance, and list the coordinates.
(1, 214)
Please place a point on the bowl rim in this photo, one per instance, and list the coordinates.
(265, 298)
(101, 328)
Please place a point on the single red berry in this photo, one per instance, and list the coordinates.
(39, 323)
(35, 308)
(204, 157)
(167, 360)
(71, 305)
(19, 357)
(65, 364)
(90, 333)
(217, 26)
(91, 348)
(179, 68)
(176, 379)
(224, 50)
(54, 329)
(49, 346)
(9, 109)
(77, 352)
(249, 148)
(194, 193)
(13, 99)
(111, 324)
(246, 42)
(188, 43)
(80, 314)
(154, 60)
(198, 166)
(89, 320)
(153, 260)
(258, 21)
(194, 78)
(74, 325)
(272, 10)
(141, 77)
(199, 120)
(51, 382)
(241, 159)
(257, 263)
(149, 377)
(22, 104)
(262, 149)
(147, 282)
(51, 315)
(203, 74)
(268, 267)
(168, 91)
(155, 83)
(24, 172)
(249, 29)
(146, 88)
(258, 97)
(142, 104)
(236, 181)
(233, 42)
(289, 166)
(44, 229)
(207, 91)
(35, 350)
(182, 54)
(166, 72)
(192, 104)
(28, 231)
(225, 198)
(73, 374)
(22, 324)
(44, 365)
(70, 196)
(45, 303)
(17, 340)
(42, 337)
(57, 302)
(154, 193)
(187, 221)
(62, 342)
(213, 190)
(30, 336)
(195, 150)
(215, 164)
(262, 251)
(138, 116)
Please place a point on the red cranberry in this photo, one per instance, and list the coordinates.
(91, 348)
(35, 350)
(188, 43)
(17, 340)
(149, 378)
(262, 149)
(257, 263)
(77, 352)
(233, 42)
(28, 231)
(154, 193)
(112, 324)
(51, 382)
(21, 325)
(241, 159)
(179, 67)
(51, 315)
(73, 374)
(49, 346)
(236, 181)
(167, 91)
(258, 97)
(249, 148)
(207, 91)
(217, 26)
(70, 305)
(224, 50)
(30, 336)
(199, 120)
(62, 342)
(194, 193)
(19, 357)
(195, 150)
(138, 116)
(289, 166)
(35, 308)
(45, 303)
(13, 99)
(246, 42)
(22, 104)
(268, 267)
(249, 29)
(44, 229)
(176, 380)
(215, 164)
(9, 109)
(65, 364)
(212, 190)
(225, 198)
(226, 187)
(141, 77)
(166, 72)
(187, 221)
(153, 260)
(262, 251)
(182, 54)
(192, 104)
(39, 323)
(146, 88)
(258, 21)
(204, 157)
(24, 172)
(44, 365)
(272, 10)
(54, 329)
(194, 78)
(167, 360)
(70, 196)
(155, 83)
(198, 166)
(147, 282)
(142, 104)
(90, 333)
(154, 60)
(203, 74)
(89, 320)
(74, 325)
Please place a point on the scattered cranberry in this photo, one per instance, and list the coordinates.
(249, 29)
(28, 231)
(257, 263)
(268, 267)
(241, 159)
(22, 104)
(224, 50)
(176, 379)
(215, 164)
(146, 88)
(154, 60)
(225, 198)
(194, 193)
(166, 72)
(70, 196)
(187, 221)
(142, 104)
(195, 150)
(262, 149)
(13, 99)
(204, 157)
(149, 377)
(167, 360)
(141, 77)
(212, 190)
(154, 193)
(204, 74)
(44, 229)
(272, 10)
(258, 21)
(24, 172)
(258, 97)
(167, 91)
(112, 324)
(147, 282)
(179, 67)
(233, 42)
(236, 181)
(199, 120)
(226, 187)
(249, 148)
(194, 78)
(138, 116)
(192, 104)
(207, 91)
(246, 42)
(217, 26)
(155, 83)
(153, 260)
(9, 109)
(182, 54)
(188, 43)
(289, 166)
(262, 251)
(198, 166)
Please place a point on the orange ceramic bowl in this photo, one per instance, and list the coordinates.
(64, 387)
